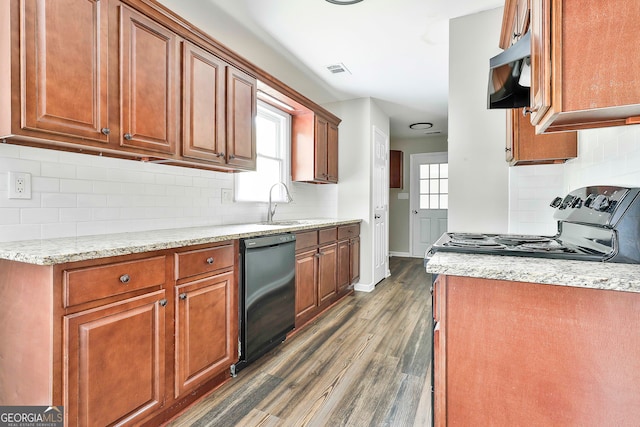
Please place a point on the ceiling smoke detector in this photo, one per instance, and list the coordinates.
(338, 68)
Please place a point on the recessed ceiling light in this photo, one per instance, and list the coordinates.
(344, 2)
(421, 126)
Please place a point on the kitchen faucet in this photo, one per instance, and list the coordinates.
(271, 212)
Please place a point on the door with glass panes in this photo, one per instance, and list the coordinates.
(429, 200)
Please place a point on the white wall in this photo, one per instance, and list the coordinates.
(355, 191)
(479, 175)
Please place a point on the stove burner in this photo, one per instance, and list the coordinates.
(468, 236)
(485, 244)
(550, 246)
(519, 239)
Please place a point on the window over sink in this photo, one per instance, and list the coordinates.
(273, 142)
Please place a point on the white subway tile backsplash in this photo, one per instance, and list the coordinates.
(77, 194)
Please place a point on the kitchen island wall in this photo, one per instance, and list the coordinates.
(79, 194)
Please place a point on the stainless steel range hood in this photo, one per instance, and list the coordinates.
(510, 76)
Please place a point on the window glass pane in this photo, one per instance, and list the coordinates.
(255, 186)
(424, 202)
(444, 170)
(267, 134)
(433, 171)
(424, 171)
(433, 186)
(444, 186)
(433, 201)
(424, 186)
(444, 201)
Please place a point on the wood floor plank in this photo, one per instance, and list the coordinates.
(364, 362)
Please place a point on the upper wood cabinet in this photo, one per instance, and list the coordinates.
(524, 147)
(149, 81)
(63, 83)
(396, 168)
(314, 149)
(126, 79)
(582, 62)
(219, 109)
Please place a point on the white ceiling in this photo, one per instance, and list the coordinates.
(396, 50)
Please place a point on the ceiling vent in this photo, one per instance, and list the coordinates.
(338, 68)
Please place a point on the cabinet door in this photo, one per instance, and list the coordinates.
(540, 59)
(241, 115)
(332, 153)
(355, 259)
(206, 330)
(64, 77)
(321, 148)
(149, 83)
(344, 266)
(203, 101)
(114, 362)
(529, 148)
(306, 285)
(327, 274)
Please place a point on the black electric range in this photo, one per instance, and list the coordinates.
(596, 223)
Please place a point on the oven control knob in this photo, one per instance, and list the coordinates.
(576, 203)
(600, 203)
(589, 200)
(556, 202)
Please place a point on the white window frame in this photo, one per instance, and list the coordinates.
(283, 121)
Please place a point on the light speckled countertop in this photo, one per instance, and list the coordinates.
(583, 274)
(58, 251)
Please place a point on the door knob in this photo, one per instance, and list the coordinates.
(415, 211)
(376, 216)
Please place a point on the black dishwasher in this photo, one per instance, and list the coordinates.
(267, 294)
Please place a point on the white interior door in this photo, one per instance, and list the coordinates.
(429, 200)
(380, 204)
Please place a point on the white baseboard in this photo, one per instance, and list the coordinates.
(361, 287)
(403, 255)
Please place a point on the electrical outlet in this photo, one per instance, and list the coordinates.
(19, 186)
(227, 195)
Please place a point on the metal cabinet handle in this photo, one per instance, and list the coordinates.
(526, 111)
(507, 149)
(231, 156)
(105, 131)
(210, 260)
(128, 136)
(221, 154)
(183, 296)
(125, 278)
(163, 302)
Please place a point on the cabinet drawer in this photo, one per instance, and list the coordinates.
(204, 261)
(93, 283)
(348, 231)
(327, 235)
(306, 239)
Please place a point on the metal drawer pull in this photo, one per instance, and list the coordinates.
(183, 296)
(106, 131)
(128, 136)
(163, 302)
(210, 260)
(125, 278)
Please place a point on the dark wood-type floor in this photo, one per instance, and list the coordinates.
(365, 362)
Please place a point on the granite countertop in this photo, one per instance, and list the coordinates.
(61, 250)
(583, 274)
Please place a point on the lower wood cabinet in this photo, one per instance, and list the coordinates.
(327, 265)
(114, 367)
(513, 353)
(128, 340)
(206, 330)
